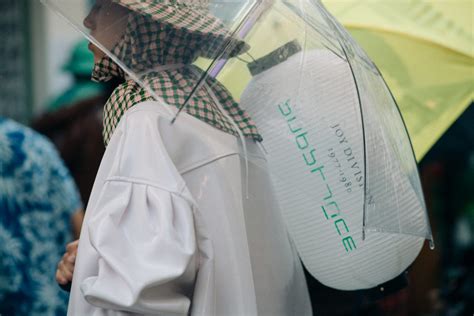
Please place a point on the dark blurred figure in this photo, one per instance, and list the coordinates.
(38, 200)
(76, 131)
(445, 282)
(74, 121)
(388, 299)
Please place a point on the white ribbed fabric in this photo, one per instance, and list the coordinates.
(311, 124)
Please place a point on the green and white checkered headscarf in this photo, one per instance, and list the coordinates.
(162, 55)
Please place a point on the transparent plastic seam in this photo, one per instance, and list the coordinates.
(423, 202)
(328, 20)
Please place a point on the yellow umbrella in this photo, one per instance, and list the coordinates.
(425, 51)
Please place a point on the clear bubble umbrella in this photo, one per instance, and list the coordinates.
(340, 159)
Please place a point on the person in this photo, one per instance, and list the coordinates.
(38, 201)
(79, 65)
(73, 120)
(76, 131)
(178, 223)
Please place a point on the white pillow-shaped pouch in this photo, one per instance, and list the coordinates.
(307, 110)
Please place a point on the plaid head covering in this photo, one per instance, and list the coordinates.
(161, 55)
(192, 15)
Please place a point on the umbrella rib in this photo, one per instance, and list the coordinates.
(334, 26)
(202, 78)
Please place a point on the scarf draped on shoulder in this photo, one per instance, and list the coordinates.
(162, 56)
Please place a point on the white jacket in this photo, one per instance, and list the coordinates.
(169, 231)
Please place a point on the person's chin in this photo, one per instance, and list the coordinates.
(98, 57)
(98, 54)
(91, 47)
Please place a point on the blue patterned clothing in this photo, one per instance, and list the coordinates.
(37, 199)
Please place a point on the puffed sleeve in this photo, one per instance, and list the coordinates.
(144, 236)
(145, 240)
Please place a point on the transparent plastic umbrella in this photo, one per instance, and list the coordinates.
(340, 159)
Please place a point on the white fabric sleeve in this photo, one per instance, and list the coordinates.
(143, 231)
(145, 241)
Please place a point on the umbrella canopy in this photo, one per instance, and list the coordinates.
(424, 49)
(341, 162)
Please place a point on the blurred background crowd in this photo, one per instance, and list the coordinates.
(51, 146)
